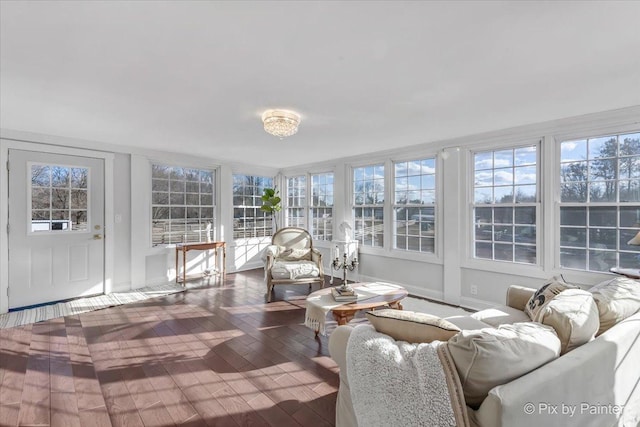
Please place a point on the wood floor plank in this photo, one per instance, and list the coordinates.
(216, 355)
(172, 397)
(64, 410)
(36, 399)
(9, 414)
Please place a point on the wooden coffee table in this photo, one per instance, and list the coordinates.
(382, 295)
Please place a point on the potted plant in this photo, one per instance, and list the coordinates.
(271, 203)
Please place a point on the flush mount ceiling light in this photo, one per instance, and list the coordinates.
(280, 123)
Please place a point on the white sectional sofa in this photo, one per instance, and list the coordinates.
(596, 384)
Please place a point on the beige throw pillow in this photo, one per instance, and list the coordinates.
(545, 294)
(410, 326)
(574, 316)
(489, 357)
(616, 300)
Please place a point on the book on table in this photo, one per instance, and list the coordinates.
(343, 296)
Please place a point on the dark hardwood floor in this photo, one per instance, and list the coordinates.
(216, 355)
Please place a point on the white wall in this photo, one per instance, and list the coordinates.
(448, 275)
(122, 221)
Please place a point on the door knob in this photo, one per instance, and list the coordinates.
(97, 236)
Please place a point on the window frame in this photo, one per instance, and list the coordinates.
(384, 206)
(435, 206)
(296, 196)
(486, 263)
(559, 204)
(308, 205)
(213, 206)
(268, 231)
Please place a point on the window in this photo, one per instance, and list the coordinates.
(414, 207)
(368, 205)
(182, 204)
(505, 205)
(59, 199)
(248, 220)
(321, 205)
(599, 202)
(296, 201)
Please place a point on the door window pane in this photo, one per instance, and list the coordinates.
(59, 198)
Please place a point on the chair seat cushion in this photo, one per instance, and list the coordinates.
(294, 270)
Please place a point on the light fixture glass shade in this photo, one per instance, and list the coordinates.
(635, 241)
(280, 123)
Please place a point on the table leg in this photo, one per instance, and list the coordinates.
(224, 262)
(343, 317)
(215, 260)
(184, 267)
(396, 305)
(177, 266)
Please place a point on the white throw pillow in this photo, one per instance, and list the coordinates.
(490, 357)
(616, 299)
(545, 294)
(574, 316)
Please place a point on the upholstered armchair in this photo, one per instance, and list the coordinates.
(291, 260)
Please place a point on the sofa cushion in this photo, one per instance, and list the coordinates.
(410, 326)
(489, 357)
(294, 270)
(574, 316)
(545, 294)
(467, 322)
(616, 300)
(501, 315)
(303, 254)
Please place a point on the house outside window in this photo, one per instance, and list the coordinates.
(368, 205)
(297, 201)
(599, 202)
(321, 206)
(249, 220)
(182, 204)
(505, 204)
(415, 205)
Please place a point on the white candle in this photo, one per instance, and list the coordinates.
(337, 252)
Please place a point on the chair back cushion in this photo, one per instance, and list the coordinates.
(292, 238)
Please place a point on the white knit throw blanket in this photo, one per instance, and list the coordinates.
(394, 383)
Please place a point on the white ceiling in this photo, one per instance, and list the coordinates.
(194, 77)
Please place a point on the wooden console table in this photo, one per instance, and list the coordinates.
(186, 247)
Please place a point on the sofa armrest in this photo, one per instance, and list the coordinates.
(345, 415)
(338, 347)
(518, 296)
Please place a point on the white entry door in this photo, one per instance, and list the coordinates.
(56, 222)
